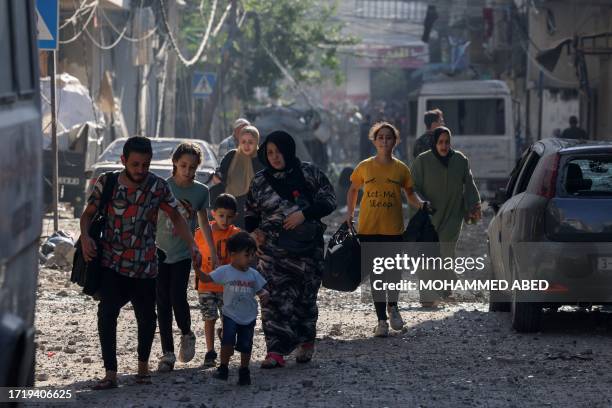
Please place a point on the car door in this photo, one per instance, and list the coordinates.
(495, 227)
(511, 212)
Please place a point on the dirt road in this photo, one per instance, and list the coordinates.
(458, 355)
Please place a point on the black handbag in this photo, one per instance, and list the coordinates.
(303, 239)
(342, 270)
(88, 275)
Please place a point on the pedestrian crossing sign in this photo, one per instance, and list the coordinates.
(203, 83)
(47, 23)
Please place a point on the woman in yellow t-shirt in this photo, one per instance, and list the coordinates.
(383, 177)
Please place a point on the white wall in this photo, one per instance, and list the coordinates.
(357, 81)
(556, 112)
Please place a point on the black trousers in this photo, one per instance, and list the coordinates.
(392, 296)
(172, 281)
(115, 292)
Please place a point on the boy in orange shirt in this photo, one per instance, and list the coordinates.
(211, 294)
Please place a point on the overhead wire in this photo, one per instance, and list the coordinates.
(102, 46)
(76, 36)
(73, 19)
(201, 47)
(222, 20)
(189, 61)
(122, 33)
(125, 36)
(288, 75)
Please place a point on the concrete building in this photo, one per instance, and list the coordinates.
(113, 48)
(569, 88)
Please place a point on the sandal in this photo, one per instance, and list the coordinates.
(273, 360)
(143, 379)
(105, 384)
(305, 353)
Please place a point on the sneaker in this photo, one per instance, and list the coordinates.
(244, 376)
(187, 347)
(222, 372)
(210, 359)
(395, 318)
(166, 363)
(382, 329)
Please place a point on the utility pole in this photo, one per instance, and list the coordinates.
(169, 111)
(54, 148)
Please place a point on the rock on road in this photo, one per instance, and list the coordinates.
(457, 355)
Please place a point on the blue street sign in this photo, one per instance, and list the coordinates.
(47, 16)
(203, 83)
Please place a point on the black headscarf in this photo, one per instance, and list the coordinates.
(437, 132)
(290, 179)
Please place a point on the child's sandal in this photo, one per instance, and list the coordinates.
(143, 379)
(105, 384)
(273, 360)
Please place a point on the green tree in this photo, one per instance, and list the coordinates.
(301, 35)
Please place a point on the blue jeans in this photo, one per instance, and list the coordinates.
(239, 336)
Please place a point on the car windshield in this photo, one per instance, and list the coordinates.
(162, 152)
(589, 176)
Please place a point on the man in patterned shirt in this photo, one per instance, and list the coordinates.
(128, 252)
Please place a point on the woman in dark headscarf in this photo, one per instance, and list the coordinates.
(283, 210)
(443, 177)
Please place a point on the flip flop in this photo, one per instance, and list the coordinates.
(143, 379)
(273, 360)
(105, 384)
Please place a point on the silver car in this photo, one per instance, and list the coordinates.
(161, 164)
(553, 224)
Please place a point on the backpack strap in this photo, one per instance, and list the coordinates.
(107, 191)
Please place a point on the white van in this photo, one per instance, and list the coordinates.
(480, 116)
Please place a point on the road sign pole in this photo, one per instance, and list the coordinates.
(54, 150)
(47, 24)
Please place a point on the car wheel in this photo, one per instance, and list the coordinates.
(526, 316)
(498, 303)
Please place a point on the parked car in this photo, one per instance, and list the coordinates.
(161, 163)
(553, 222)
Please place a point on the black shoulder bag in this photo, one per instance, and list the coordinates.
(88, 275)
(303, 239)
(342, 269)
